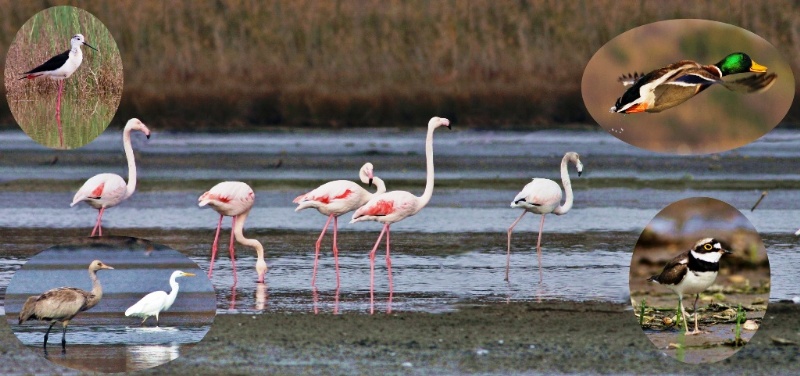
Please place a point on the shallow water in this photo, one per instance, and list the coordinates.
(111, 358)
(453, 251)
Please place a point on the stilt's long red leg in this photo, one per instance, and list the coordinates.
(58, 113)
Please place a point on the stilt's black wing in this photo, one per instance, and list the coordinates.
(54, 63)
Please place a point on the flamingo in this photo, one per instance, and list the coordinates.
(543, 196)
(63, 304)
(106, 190)
(234, 199)
(391, 207)
(335, 198)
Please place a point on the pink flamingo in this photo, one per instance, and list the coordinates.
(233, 199)
(334, 199)
(106, 190)
(543, 196)
(395, 206)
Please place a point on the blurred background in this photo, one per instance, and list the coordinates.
(211, 65)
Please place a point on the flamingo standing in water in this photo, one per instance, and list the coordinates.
(335, 198)
(234, 199)
(543, 196)
(394, 206)
(106, 190)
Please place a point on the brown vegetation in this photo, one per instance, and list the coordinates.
(342, 63)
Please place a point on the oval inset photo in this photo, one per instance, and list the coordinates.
(63, 77)
(111, 304)
(699, 280)
(688, 87)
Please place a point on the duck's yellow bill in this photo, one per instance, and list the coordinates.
(758, 67)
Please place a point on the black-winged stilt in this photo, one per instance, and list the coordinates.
(60, 67)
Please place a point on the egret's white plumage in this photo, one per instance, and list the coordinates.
(158, 301)
(106, 190)
(334, 199)
(543, 196)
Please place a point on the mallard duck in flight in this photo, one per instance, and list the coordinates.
(676, 83)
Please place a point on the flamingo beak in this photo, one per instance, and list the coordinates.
(579, 173)
(370, 182)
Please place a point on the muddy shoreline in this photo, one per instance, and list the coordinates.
(526, 338)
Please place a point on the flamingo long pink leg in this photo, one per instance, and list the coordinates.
(58, 113)
(372, 270)
(508, 254)
(214, 248)
(336, 249)
(389, 269)
(233, 257)
(316, 250)
(539, 248)
(98, 225)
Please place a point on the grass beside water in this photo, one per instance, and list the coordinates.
(241, 64)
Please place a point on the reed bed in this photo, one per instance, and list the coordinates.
(234, 64)
(47, 34)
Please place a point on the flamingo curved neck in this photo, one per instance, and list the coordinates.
(379, 184)
(238, 227)
(126, 142)
(563, 209)
(428, 193)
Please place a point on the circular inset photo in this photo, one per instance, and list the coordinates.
(688, 87)
(112, 304)
(63, 77)
(699, 280)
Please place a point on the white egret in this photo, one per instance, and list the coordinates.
(155, 302)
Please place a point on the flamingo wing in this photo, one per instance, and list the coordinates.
(229, 198)
(329, 192)
(102, 189)
(539, 193)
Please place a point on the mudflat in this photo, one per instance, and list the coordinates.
(520, 338)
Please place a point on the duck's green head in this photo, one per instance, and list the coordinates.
(739, 62)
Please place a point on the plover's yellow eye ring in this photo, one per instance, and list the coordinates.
(707, 247)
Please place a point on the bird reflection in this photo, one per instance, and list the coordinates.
(147, 356)
(315, 296)
(261, 296)
(232, 306)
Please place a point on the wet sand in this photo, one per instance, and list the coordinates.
(527, 338)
